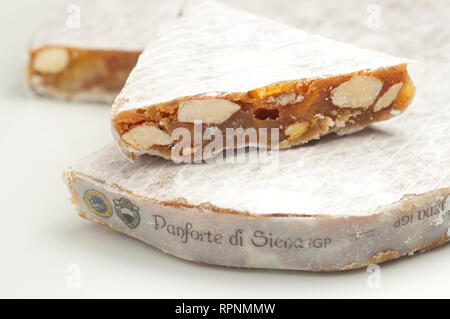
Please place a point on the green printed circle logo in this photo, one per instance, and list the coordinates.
(97, 203)
(127, 212)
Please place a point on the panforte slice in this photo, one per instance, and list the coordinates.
(227, 69)
(87, 52)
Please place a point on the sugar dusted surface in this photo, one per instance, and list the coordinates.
(350, 175)
(125, 25)
(216, 48)
(357, 174)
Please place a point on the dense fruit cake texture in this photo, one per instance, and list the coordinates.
(230, 69)
(302, 110)
(72, 72)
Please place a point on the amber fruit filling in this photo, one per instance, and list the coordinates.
(302, 110)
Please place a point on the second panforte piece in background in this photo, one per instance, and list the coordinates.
(231, 69)
(87, 53)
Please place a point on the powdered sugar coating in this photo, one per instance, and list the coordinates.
(106, 24)
(216, 48)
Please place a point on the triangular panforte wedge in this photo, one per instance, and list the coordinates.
(340, 204)
(88, 50)
(231, 69)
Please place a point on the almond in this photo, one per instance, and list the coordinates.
(143, 137)
(388, 97)
(210, 111)
(359, 92)
(51, 60)
(296, 130)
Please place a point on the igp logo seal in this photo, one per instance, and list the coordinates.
(97, 203)
(128, 212)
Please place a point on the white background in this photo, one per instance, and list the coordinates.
(41, 236)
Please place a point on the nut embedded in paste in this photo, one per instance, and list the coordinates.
(143, 137)
(387, 98)
(359, 92)
(209, 111)
(51, 60)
